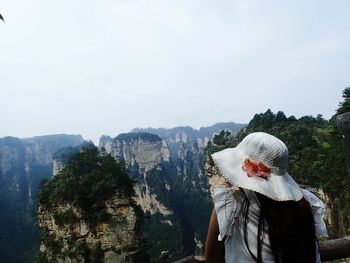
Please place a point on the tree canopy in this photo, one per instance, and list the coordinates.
(89, 179)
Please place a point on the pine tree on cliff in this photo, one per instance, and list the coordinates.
(344, 106)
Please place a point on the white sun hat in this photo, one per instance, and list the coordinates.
(259, 163)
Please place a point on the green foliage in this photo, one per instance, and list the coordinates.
(220, 141)
(161, 236)
(64, 154)
(89, 179)
(64, 217)
(344, 106)
(97, 254)
(220, 138)
(137, 136)
(51, 242)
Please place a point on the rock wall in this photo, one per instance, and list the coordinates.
(141, 151)
(142, 155)
(171, 188)
(115, 240)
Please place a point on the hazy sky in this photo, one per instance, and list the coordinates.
(104, 67)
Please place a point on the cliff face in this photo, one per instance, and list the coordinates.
(146, 151)
(171, 187)
(86, 212)
(23, 163)
(117, 239)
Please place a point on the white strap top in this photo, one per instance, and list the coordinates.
(227, 202)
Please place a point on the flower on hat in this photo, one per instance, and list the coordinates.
(255, 169)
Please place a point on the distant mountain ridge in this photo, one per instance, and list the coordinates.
(203, 132)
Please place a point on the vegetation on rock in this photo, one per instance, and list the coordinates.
(89, 179)
(95, 190)
(138, 136)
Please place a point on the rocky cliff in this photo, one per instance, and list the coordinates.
(87, 214)
(143, 153)
(147, 158)
(168, 166)
(117, 239)
(23, 163)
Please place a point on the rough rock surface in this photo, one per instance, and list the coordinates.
(171, 188)
(116, 240)
(144, 155)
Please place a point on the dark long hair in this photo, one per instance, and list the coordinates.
(291, 230)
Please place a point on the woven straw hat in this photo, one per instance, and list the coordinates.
(259, 163)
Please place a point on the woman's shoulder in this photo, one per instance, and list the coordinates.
(227, 195)
(318, 210)
(227, 207)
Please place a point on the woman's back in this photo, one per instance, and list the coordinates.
(238, 214)
(291, 229)
(255, 228)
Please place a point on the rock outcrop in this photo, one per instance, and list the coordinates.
(117, 239)
(145, 150)
(142, 153)
(86, 212)
(168, 166)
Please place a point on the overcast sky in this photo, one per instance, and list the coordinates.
(96, 67)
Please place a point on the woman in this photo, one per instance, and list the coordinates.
(263, 216)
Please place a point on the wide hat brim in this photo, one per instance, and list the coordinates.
(279, 187)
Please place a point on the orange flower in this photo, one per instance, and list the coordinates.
(256, 169)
